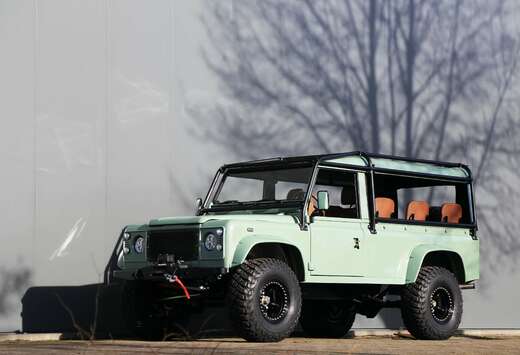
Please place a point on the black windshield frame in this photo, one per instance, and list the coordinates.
(220, 178)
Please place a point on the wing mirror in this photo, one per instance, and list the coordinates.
(198, 205)
(323, 200)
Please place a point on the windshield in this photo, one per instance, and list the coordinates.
(272, 188)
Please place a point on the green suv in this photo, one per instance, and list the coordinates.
(315, 240)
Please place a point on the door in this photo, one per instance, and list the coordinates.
(337, 234)
(337, 247)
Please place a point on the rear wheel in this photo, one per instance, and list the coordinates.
(327, 319)
(432, 305)
(264, 300)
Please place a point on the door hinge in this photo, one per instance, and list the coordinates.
(356, 243)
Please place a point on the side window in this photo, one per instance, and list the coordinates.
(421, 199)
(342, 189)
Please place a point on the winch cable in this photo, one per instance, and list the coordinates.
(176, 279)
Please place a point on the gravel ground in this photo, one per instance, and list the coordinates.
(362, 345)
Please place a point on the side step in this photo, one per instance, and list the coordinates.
(469, 286)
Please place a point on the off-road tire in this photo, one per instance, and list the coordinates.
(246, 288)
(327, 319)
(419, 306)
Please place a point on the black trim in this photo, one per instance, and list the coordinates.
(156, 272)
(310, 159)
(258, 206)
(396, 172)
(367, 156)
(210, 191)
(395, 157)
(424, 223)
(308, 196)
(420, 175)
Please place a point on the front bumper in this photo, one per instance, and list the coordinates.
(158, 272)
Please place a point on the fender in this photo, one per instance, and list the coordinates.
(247, 243)
(417, 256)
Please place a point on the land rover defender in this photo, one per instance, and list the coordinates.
(315, 240)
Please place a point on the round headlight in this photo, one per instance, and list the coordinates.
(138, 245)
(211, 241)
(126, 235)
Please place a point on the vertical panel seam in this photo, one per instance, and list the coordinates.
(35, 126)
(107, 115)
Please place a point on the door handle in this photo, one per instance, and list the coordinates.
(356, 243)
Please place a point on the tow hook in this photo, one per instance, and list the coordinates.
(176, 279)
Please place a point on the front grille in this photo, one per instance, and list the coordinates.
(183, 243)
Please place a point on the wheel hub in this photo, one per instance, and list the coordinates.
(441, 305)
(274, 301)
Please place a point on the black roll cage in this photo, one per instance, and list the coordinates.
(322, 161)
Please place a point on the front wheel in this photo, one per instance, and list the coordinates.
(432, 305)
(327, 319)
(264, 300)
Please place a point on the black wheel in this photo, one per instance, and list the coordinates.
(264, 300)
(432, 305)
(327, 319)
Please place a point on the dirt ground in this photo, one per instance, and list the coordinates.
(363, 345)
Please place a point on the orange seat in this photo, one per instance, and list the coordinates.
(385, 207)
(417, 210)
(451, 212)
(313, 204)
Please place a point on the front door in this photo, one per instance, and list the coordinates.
(337, 234)
(337, 247)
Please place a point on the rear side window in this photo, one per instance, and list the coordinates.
(422, 199)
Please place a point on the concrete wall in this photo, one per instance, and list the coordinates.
(95, 103)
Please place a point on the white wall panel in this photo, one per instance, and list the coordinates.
(70, 140)
(16, 144)
(140, 123)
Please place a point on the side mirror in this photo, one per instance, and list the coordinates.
(323, 200)
(198, 205)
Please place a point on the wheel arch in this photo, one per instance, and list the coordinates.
(286, 252)
(433, 256)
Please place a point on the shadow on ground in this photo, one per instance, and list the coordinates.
(98, 311)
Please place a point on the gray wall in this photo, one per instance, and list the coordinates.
(101, 104)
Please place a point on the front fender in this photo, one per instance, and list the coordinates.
(416, 259)
(247, 243)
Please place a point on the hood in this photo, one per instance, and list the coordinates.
(225, 217)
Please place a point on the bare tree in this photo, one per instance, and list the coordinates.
(429, 79)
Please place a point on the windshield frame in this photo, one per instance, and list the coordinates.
(219, 181)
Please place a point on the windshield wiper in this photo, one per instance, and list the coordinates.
(227, 202)
(263, 202)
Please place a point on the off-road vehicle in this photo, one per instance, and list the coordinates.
(316, 240)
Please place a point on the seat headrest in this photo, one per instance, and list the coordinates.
(385, 207)
(348, 195)
(296, 194)
(451, 212)
(417, 210)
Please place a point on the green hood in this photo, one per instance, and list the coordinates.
(226, 217)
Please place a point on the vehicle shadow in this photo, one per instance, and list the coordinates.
(97, 311)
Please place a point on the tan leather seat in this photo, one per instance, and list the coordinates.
(385, 207)
(417, 210)
(451, 212)
(313, 204)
